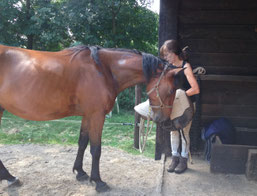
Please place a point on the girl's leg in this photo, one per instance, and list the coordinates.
(175, 154)
(175, 143)
(185, 141)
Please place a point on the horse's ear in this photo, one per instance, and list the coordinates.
(178, 78)
(177, 74)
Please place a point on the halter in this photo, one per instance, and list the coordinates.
(156, 88)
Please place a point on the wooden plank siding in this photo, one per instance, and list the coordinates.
(233, 97)
(221, 45)
(218, 5)
(197, 31)
(227, 17)
(221, 35)
(222, 38)
(168, 29)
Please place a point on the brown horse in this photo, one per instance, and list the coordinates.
(80, 81)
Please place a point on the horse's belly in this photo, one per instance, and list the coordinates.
(38, 109)
(35, 115)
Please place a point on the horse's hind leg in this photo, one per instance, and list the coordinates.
(5, 175)
(83, 142)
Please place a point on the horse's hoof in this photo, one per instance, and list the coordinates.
(14, 183)
(82, 177)
(102, 187)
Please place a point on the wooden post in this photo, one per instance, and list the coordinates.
(162, 143)
(251, 166)
(168, 20)
(168, 29)
(138, 95)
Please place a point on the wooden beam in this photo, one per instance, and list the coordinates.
(219, 45)
(162, 143)
(217, 59)
(250, 122)
(218, 4)
(230, 78)
(240, 97)
(168, 29)
(246, 137)
(168, 20)
(138, 95)
(229, 110)
(230, 70)
(208, 31)
(218, 17)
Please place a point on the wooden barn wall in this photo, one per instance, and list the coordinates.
(222, 34)
(232, 97)
(222, 37)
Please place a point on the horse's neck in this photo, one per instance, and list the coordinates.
(128, 71)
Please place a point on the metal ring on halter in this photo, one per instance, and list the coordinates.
(156, 88)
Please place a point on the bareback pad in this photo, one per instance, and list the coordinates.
(182, 112)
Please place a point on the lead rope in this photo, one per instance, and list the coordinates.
(199, 71)
(184, 138)
(142, 133)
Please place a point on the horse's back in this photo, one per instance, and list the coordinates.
(35, 82)
(39, 85)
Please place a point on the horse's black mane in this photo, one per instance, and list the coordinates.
(150, 62)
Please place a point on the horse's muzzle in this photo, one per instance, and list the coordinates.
(159, 117)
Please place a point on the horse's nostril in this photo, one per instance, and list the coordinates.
(158, 117)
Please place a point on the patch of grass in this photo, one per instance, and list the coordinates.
(118, 132)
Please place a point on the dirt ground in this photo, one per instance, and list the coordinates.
(198, 181)
(47, 170)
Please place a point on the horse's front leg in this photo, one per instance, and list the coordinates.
(95, 134)
(83, 142)
(5, 175)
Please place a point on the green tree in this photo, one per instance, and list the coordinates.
(34, 24)
(55, 24)
(10, 32)
(113, 23)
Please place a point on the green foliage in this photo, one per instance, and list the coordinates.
(41, 20)
(113, 23)
(126, 98)
(10, 29)
(56, 24)
(118, 132)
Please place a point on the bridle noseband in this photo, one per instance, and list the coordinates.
(156, 88)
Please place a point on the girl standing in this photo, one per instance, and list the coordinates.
(171, 52)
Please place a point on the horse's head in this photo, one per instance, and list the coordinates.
(161, 88)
